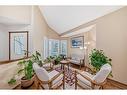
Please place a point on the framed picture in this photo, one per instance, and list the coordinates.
(77, 42)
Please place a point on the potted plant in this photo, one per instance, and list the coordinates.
(49, 59)
(98, 59)
(58, 59)
(26, 69)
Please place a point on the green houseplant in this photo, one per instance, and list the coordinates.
(58, 59)
(26, 69)
(98, 59)
(37, 58)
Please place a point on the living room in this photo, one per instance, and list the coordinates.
(57, 40)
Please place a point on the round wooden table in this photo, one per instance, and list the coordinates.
(63, 63)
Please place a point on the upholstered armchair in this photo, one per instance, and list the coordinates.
(45, 80)
(77, 59)
(86, 80)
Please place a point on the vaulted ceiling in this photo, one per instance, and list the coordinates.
(65, 18)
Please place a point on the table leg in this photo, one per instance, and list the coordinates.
(63, 67)
(68, 67)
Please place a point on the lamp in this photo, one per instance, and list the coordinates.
(85, 48)
(85, 52)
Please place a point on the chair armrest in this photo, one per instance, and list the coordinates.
(89, 69)
(69, 57)
(89, 79)
(100, 84)
(56, 76)
(52, 79)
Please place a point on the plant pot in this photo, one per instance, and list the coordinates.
(27, 83)
(56, 62)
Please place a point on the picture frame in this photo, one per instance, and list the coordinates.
(77, 42)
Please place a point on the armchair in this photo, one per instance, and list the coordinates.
(77, 59)
(86, 80)
(45, 80)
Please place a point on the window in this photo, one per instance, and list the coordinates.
(45, 47)
(53, 47)
(64, 47)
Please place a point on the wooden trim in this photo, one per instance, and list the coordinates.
(8, 61)
(9, 46)
(117, 82)
(27, 43)
(10, 41)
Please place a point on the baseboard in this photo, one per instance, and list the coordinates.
(119, 83)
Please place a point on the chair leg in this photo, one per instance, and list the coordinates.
(102, 87)
(63, 80)
(80, 67)
(75, 80)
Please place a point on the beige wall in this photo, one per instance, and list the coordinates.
(89, 36)
(111, 36)
(41, 30)
(52, 34)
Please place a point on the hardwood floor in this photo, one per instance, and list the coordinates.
(111, 84)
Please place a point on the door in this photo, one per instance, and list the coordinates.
(18, 44)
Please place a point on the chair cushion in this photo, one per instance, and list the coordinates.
(75, 61)
(84, 82)
(56, 82)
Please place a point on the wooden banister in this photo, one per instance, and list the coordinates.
(8, 61)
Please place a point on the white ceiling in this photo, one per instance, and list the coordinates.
(80, 31)
(64, 18)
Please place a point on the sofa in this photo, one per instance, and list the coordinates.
(77, 59)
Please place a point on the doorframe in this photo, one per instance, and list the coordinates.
(10, 41)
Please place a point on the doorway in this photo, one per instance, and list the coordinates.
(18, 44)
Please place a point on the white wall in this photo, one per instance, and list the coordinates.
(23, 28)
(4, 43)
(17, 13)
(36, 27)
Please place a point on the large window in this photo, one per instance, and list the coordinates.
(53, 47)
(45, 47)
(63, 47)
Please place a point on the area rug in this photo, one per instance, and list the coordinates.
(69, 75)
